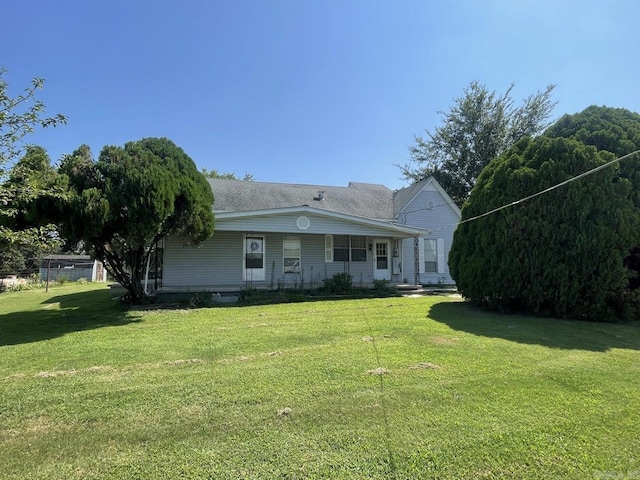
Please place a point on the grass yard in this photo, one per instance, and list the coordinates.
(406, 388)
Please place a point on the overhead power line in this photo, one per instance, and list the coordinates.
(547, 190)
(522, 200)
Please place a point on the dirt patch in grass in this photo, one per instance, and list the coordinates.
(192, 411)
(182, 361)
(284, 412)
(241, 358)
(99, 369)
(56, 373)
(379, 371)
(35, 427)
(246, 358)
(424, 365)
(371, 339)
(103, 369)
(442, 340)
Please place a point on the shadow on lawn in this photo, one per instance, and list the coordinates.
(549, 332)
(63, 314)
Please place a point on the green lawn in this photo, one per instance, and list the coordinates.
(413, 388)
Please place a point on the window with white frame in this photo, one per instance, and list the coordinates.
(341, 248)
(345, 248)
(328, 248)
(254, 252)
(430, 255)
(432, 259)
(358, 248)
(254, 258)
(291, 253)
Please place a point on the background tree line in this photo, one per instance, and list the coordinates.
(574, 252)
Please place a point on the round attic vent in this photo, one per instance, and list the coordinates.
(430, 204)
(303, 222)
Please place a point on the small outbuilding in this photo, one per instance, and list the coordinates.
(72, 268)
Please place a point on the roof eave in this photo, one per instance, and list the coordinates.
(390, 225)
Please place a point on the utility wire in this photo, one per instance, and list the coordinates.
(421, 209)
(547, 190)
(529, 197)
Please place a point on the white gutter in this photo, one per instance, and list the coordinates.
(324, 213)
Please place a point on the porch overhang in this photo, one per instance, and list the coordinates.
(238, 221)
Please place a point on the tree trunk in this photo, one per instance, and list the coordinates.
(130, 281)
(135, 290)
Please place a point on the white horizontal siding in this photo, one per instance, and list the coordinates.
(442, 220)
(218, 262)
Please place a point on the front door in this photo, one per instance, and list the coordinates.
(253, 267)
(381, 260)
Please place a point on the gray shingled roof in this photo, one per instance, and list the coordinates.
(359, 199)
(405, 195)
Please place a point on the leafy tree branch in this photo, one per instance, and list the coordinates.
(479, 127)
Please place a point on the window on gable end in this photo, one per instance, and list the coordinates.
(430, 255)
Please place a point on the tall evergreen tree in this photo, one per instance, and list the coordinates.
(564, 253)
(615, 130)
(129, 199)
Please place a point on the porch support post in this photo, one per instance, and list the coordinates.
(416, 261)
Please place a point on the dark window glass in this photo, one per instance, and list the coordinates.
(382, 263)
(340, 248)
(358, 249)
(254, 260)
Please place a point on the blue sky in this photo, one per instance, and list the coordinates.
(305, 91)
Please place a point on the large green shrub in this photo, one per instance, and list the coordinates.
(561, 253)
(615, 130)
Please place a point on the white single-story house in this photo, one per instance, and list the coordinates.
(270, 235)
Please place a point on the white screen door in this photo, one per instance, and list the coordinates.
(381, 260)
(254, 261)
